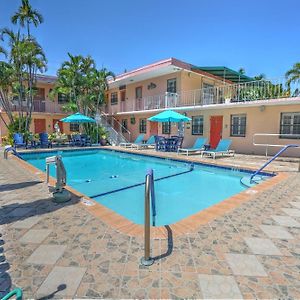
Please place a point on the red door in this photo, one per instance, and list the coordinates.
(39, 125)
(60, 124)
(153, 128)
(216, 125)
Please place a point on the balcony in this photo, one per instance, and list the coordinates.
(38, 106)
(225, 94)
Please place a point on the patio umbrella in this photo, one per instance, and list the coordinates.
(78, 118)
(169, 116)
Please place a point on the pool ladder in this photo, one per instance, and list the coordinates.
(147, 260)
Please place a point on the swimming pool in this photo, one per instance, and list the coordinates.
(115, 179)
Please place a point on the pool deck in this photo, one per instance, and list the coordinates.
(64, 250)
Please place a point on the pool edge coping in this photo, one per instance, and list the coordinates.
(189, 224)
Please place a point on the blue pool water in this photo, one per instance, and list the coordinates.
(95, 172)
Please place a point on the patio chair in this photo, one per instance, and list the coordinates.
(197, 147)
(161, 143)
(138, 141)
(222, 149)
(19, 140)
(44, 140)
(149, 144)
(76, 140)
(85, 140)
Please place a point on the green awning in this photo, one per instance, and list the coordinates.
(225, 73)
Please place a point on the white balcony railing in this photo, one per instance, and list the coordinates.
(38, 106)
(231, 93)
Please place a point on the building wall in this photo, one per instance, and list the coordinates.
(259, 120)
(161, 88)
(48, 120)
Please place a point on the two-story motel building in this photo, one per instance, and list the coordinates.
(222, 103)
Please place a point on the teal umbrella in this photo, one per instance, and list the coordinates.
(169, 116)
(78, 118)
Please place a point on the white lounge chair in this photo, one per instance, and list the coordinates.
(138, 141)
(222, 149)
(149, 144)
(197, 147)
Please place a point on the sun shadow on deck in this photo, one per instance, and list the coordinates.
(13, 212)
(5, 279)
(16, 186)
(169, 244)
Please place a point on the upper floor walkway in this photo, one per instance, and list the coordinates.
(258, 90)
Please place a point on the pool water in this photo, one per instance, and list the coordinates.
(102, 172)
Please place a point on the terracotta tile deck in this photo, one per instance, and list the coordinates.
(107, 259)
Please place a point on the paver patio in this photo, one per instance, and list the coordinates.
(105, 263)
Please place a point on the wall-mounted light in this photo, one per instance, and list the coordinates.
(262, 108)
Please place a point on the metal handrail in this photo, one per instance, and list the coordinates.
(115, 120)
(272, 159)
(146, 260)
(291, 135)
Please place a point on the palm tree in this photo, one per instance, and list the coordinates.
(293, 75)
(26, 15)
(27, 58)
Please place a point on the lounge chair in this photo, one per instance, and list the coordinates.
(197, 147)
(138, 141)
(149, 144)
(221, 149)
(44, 140)
(19, 140)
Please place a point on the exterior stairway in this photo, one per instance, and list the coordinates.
(117, 133)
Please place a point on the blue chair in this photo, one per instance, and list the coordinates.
(19, 140)
(197, 147)
(221, 149)
(44, 140)
(138, 141)
(161, 143)
(150, 143)
(76, 140)
(85, 140)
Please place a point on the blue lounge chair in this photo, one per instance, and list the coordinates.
(197, 147)
(221, 149)
(138, 141)
(44, 140)
(150, 143)
(19, 140)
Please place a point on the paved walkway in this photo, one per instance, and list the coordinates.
(54, 250)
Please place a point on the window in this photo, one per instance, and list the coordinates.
(74, 127)
(197, 125)
(39, 94)
(143, 126)
(171, 85)
(62, 98)
(138, 92)
(114, 98)
(290, 124)
(238, 125)
(166, 127)
(124, 125)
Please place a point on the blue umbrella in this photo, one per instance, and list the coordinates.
(78, 118)
(169, 116)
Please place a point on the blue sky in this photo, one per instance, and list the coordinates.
(260, 35)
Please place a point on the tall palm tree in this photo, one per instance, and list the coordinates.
(293, 75)
(26, 15)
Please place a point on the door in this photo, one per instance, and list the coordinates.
(39, 125)
(123, 98)
(153, 128)
(60, 124)
(216, 125)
